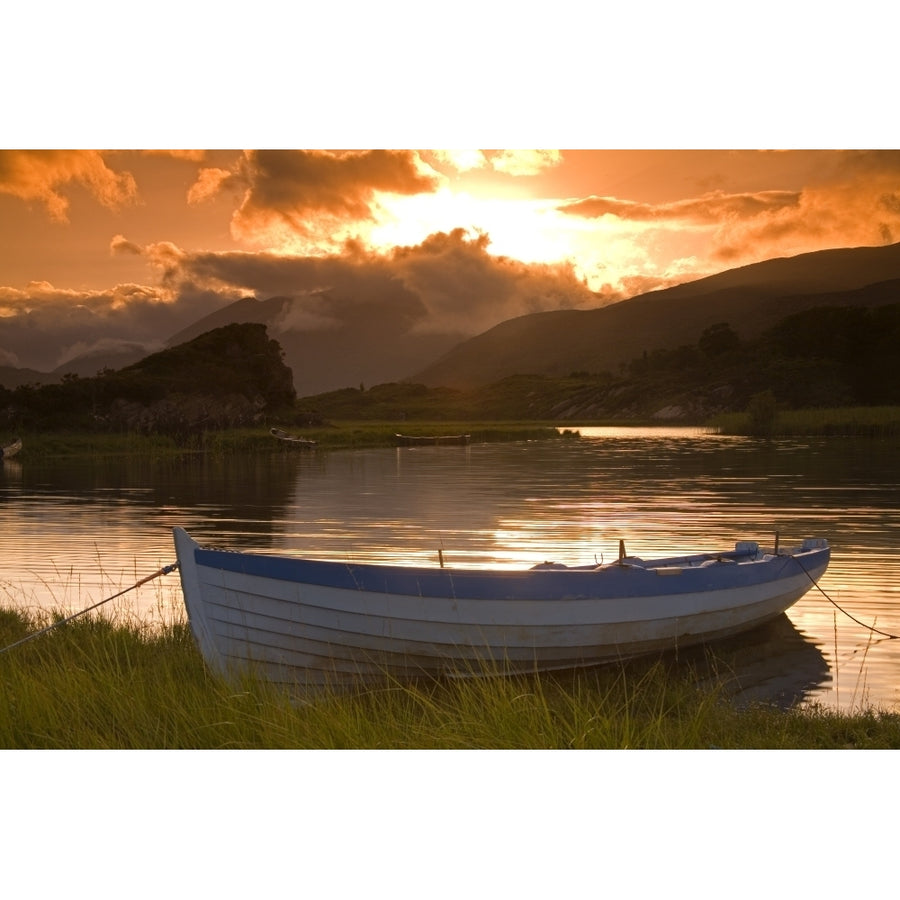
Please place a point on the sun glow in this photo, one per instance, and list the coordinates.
(528, 230)
(531, 231)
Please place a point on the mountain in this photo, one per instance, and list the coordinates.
(123, 353)
(823, 270)
(750, 299)
(12, 377)
(333, 341)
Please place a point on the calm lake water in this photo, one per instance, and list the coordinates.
(74, 533)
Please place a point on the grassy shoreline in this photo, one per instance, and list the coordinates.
(849, 421)
(342, 435)
(93, 684)
(865, 422)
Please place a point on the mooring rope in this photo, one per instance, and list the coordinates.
(165, 570)
(871, 628)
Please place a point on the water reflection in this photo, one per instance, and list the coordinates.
(69, 533)
(774, 664)
(73, 532)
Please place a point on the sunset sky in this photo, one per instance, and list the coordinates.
(134, 245)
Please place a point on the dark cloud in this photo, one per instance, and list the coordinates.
(890, 202)
(854, 164)
(43, 326)
(309, 181)
(465, 289)
(308, 193)
(449, 284)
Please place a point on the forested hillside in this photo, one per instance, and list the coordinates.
(227, 377)
(831, 356)
(598, 340)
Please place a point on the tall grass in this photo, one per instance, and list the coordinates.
(862, 421)
(95, 684)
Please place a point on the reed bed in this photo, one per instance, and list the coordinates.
(853, 421)
(96, 684)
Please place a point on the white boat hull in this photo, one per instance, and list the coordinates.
(357, 624)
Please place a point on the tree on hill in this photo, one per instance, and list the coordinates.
(857, 347)
(228, 377)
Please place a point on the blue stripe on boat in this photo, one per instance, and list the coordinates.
(534, 584)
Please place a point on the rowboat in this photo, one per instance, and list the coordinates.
(309, 624)
(437, 440)
(294, 439)
(11, 449)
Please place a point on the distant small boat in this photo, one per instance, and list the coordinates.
(294, 439)
(414, 440)
(310, 624)
(10, 450)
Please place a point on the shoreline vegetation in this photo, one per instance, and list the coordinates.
(763, 420)
(93, 683)
(346, 435)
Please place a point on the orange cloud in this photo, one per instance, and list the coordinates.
(298, 198)
(509, 162)
(120, 245)
(209, 182)
(167, 258)
(41, 296)
(188, 155)
(460, 160)
(42, 175)
(525, 162)
(709, 209)
(851, 198)
(857, 206)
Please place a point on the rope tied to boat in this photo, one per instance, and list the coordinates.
(165, 570)
(872, 628)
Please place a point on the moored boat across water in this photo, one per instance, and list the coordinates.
(8, 451)
(437, 440)
(293, 439)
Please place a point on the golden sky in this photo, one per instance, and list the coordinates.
(132, 245)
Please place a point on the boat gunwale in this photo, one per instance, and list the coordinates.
(710, 573)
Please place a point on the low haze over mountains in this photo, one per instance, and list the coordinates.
(750, 299)
(378, 343)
